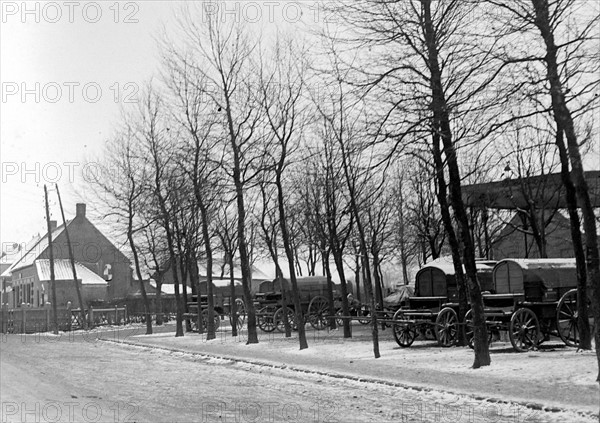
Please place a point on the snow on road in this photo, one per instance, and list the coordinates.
(71, 380)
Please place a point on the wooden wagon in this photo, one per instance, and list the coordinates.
(222, 304)
(432, 313)
(312, 291)
(532, 299)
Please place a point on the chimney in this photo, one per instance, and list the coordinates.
(52, 225)
(80, 210)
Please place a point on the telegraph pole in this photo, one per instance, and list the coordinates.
(52, 280)
(72, 259)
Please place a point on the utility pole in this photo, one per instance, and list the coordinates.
(82, 306)
(52, 281)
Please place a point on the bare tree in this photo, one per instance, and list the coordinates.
(281, 90)
(220, 54)
(155, 144)
(564, 56)
(121, 179)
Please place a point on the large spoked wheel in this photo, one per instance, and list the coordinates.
(265, 319)
(405, 331)
(567, 315)
(216, 319)
(279, 321)
(524, 330)
(470, 332)
(317, 312)
(446, 327)
(240, 308)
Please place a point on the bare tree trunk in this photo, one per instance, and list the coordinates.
(330, 299)
(233, 311)
(564, 120)
(339, 264)
(441, 120)
(210, 324)
(571, 195)
(285, 236)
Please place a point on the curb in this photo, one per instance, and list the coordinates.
(261, 363)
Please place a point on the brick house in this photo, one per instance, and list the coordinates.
(103, 271)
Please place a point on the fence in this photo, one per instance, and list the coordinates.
(31, 320)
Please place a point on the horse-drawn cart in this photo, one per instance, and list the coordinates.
(432, 313)
(312, 291)
(533, 299)
(221, 304)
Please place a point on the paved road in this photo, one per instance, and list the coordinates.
(76, 379)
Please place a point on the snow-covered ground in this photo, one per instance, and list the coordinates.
(162, 378)
(553, 377)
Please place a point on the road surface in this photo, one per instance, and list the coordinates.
(73, 379)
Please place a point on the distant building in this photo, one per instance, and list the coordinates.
(220, 272)
(514, 243)
(103, 271)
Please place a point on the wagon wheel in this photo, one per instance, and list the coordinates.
(317, 311)
(280, 323)
(469, 332)
(216, 318)
(240, 308)
(446, 327)
(524, 330)
(365, 313)
(265, 319)
(405, 332)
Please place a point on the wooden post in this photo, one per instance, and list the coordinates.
(70, 314)
(72, 260)
(47, 318)
(23, 319)
(50, 253)
(116, 315)
(91, 317)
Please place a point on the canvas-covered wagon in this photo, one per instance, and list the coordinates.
(433, 310)
(313, 294)
(533, 299)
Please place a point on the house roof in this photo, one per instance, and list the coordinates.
(507, 194)
(167, 288)
(9, 257)
(219, 266)
(33, 250)
(63, 271)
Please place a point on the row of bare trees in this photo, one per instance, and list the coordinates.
(353, 150)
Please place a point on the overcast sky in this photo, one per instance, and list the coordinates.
(63, 84)
(66, 70)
